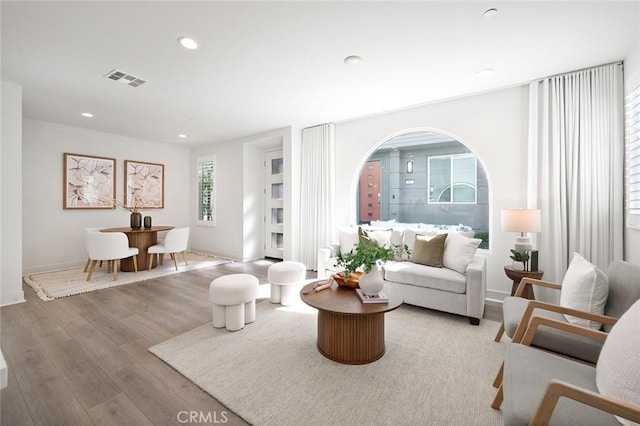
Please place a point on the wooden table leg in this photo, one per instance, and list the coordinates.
(142, 241)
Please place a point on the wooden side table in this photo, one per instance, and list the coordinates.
(517, 275)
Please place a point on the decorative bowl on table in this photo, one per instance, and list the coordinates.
(351, 282)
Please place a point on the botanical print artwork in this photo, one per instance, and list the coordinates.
(144, 185)
(89, 182)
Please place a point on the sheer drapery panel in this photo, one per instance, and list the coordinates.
(317, 187)
(576, 149)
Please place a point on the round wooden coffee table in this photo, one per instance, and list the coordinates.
(349, 331)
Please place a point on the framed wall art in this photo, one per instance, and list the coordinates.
(89, 182)
(143, 185)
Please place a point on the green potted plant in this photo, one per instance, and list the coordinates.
(516, 256)
(365, 258)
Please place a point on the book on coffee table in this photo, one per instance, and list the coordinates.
(372, 298)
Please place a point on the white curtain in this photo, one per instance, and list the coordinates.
(576, 168)
(317, 187)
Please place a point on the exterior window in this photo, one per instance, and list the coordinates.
(632, 135)
(425, 179)
(206, 190)
(452, 179)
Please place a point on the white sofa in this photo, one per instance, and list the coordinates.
(458, 288)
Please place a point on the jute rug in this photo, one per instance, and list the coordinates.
(437, 370)
(57, 284)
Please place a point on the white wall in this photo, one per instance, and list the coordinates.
(492, 125)
(53, 238)
(632, 79)
(238, 233)
(11, 199)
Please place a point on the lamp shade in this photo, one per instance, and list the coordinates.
(521, 220)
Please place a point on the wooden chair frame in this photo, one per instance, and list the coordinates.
(520, 291)
(557, 389)
(529, 334)
(528, 313)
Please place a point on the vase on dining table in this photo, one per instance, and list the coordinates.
(136, 220)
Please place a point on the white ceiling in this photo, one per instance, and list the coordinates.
(267, 65)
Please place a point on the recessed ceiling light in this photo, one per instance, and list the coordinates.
(188, 43)
(487, 72)
(87, 114)
(353, 59)
(490, 13)
(182, 136)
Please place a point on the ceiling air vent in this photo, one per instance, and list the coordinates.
(124, 78)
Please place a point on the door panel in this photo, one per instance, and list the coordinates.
(274, 205)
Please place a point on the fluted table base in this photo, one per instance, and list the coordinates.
(351, 339)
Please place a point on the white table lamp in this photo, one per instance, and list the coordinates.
(522, 221)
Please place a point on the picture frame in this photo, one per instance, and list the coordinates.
(143, 185)
(89, 182)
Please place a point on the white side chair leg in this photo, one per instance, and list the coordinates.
(219, 316)
(275, 293)
(250, 311)
(235, 317)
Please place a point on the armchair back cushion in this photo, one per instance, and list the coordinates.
(624, 288)
(618, 369)
(585, 288)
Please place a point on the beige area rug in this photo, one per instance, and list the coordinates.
(437, 370)
(57, 284)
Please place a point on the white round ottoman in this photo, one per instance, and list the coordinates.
(234, 300)
(285, 278)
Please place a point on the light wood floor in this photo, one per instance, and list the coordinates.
(83, 360)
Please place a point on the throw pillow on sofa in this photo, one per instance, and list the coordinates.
(410, 236)
(585, 288)
(377, 237)
(348, 238)
(429, 250)
(458, 251)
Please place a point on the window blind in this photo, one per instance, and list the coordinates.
(632, 144)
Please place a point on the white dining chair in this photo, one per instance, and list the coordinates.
(176, 241)
(112, 247)
(87, 231)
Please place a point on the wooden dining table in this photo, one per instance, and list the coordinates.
(141, 239)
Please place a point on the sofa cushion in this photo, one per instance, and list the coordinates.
(348, 238)
(429, 250)
(618, 370)
(411, 234)
(458, 252)
(425, 276)
(378, 237)
(584, 288)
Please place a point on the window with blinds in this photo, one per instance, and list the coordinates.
(206, 190)
(632, 143)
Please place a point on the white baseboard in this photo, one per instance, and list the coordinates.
(12, 298)
(497, 295)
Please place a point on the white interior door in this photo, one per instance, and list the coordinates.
(274, 205)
